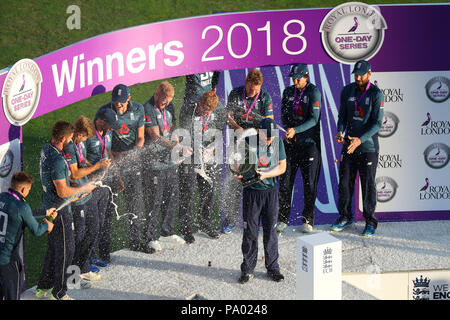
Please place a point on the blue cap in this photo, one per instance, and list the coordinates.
(120, 93)
(269, 125)
(298, 70)
(362, 67)
(109, 116)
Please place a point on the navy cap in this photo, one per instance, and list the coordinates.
(362, 67)
(298, 70)
(120, 93)
(110, 117)
(269, 125)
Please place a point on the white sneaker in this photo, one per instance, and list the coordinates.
(307, 228)
(173, 239)
(90, 276)
(281, 226)
(155, 245)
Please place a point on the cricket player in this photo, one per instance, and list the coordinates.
(246, 106)
(205, 121)
(198, 84)
(15, 215)
(126, 144)
(300, 115)
(160, 172)
(85, 212)
(360, 117)
(58, 193)
(98, 148)
(260, 203)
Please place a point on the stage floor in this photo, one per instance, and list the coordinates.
(183, 271)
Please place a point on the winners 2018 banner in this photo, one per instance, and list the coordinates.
(410, 61)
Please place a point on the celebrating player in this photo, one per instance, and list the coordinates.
(360, 117)
(247, 105)
(98, 148)
(300, 114)
(160, 172)
(57, 193)
(126, 143)
(201, 119)
(85, 213)
(260, 203)
(15, 215)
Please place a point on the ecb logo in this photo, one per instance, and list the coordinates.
(421, 290)
(353, 31)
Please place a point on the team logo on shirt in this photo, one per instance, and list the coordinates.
(124, 129)
(262, 162)
(438, 89)
(317, 105)
(353, 31)
(436, 155)
(21, 91)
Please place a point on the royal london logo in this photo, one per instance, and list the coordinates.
(392, 95)
(353, 31)
(389, 125)
(386, 188)
(432, 127)
(436, 155)
(386, 161)
(21, 91)
(438, 89)
(421, 290)
(430, 191)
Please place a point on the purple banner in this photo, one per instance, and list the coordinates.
(392, 37)
(226, 42)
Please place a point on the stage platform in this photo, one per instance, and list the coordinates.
(209, 269)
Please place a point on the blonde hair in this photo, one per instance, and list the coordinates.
(209, 101)
(85, 126)
(165, 89)
(254, 77)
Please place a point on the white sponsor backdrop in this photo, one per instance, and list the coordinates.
(10, 162)
(402, 171)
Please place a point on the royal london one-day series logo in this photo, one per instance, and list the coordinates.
(21, 91)
(6, 163)
(353, 31)
(437, 155)
(389, 125)
(386, 188)
(438, 89)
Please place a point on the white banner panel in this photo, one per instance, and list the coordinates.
(413, 171)
(10, 162)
